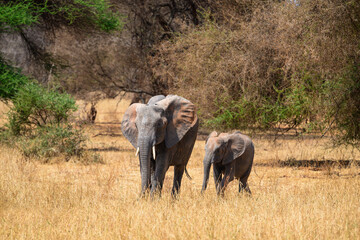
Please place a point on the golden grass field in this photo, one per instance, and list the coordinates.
(70, 200)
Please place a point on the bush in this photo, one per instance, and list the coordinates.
(345, 114)
(39, 123)
(38, 120)
(53, 140)
(291, 108)
(34, 107)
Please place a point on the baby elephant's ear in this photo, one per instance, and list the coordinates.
(213, 134)
(235, 148)
(128, 126)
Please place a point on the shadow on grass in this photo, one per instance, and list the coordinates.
(111, 149)
(108, 135)
(318, 163)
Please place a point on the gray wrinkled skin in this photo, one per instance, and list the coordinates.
(231, 155)
(168, 123)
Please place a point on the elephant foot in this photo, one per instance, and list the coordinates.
(221, 195)
(155, 195)
(175, 194)
(144, 194)
(244, 190)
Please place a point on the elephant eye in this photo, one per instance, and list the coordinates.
(159, 123)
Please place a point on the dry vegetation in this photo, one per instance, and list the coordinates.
(263, 63)
(99, 201)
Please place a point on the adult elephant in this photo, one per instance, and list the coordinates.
(164, 133)
(232, 156)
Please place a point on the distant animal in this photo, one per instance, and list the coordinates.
(163, 131)
(231, 155)
(92, 114)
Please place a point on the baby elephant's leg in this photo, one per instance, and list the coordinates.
(228, 177)
(217, 172)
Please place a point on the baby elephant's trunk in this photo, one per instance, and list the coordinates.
(207, 165)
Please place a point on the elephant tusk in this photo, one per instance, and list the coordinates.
(137, 151)
(154, 152)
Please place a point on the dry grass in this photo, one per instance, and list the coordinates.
(99, 201)
(108, 110)
(3, 110)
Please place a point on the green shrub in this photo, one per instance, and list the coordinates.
(103, 17)
(38, 120)
(15, 14)
(35, 106)
(11, 80)
(38, 123)
(51, 141)
(291, 108)
(345, 112)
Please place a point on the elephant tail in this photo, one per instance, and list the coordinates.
(187, 174)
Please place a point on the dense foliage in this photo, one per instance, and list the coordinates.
(35, 106)
(11, 80)
(86, 13)
(271, 64)
(38, 120)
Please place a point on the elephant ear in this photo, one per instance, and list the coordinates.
(235, 147)
(155, 99)
(208, 147)
(181, 115)
(213, 134)
(128, 126)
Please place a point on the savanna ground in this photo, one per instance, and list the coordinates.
(293, 197)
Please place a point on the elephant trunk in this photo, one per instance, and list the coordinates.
(144, 156)
(207, 165)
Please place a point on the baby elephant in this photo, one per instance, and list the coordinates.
(232, 156)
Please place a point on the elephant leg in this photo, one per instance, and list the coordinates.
(244, 186)
(159, 176)
(217, 177)
(178, 174)
(228, 177)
